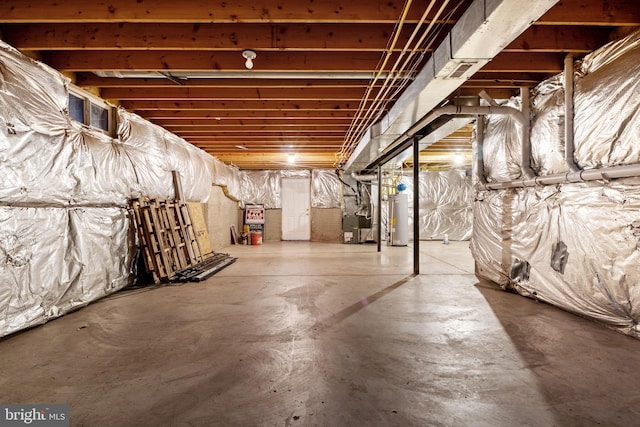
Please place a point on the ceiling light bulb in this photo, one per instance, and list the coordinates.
(458, 160)
(291, 158)
(249, 55)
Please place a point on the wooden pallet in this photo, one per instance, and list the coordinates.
(167, 237)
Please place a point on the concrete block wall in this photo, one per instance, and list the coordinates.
(326, 225)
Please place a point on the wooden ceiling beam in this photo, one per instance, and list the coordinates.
(483, 76)
(85, 79)
(305, 129)
(495, 93)
(274, 155)
(482, 84)
(241, 105)
(158, 115)
(95, 60)
(281, 139)
(258, 133)
(270, 94)
(309, 148)
(226, 11)
(542, 38)
(169, 123)
(153, 36)
(266, 163)
(508, 62)
(336, 130)
(593, 12)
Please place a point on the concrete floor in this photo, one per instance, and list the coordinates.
(329, 335)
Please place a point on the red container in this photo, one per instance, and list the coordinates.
(256, 237)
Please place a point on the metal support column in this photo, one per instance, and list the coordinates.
(379, 211)
(416, 206)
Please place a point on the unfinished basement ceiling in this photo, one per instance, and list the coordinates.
(325, 71)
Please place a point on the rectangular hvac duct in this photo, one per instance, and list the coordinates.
(485, 28)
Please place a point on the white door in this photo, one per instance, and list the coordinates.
(296, 203)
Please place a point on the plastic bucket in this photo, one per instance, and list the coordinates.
(256, 237)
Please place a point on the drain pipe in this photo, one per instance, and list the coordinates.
(568, 114)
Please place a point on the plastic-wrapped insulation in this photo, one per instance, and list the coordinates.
(578, 245)
(547, 128)
(53, 260)
(66, 236)
(326, 189)
(575, 245)
(263, 187)
(445, 204)
(503, 146)
(607, 106)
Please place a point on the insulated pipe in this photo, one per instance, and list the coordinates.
(525, 164)
(458, 110)
(479, 157)
(462, 110)
(568, 114)
(522, 117)
(624, 171)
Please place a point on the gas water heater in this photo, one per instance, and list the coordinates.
(398, 219)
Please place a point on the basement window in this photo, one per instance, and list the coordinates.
(91, 111)
(76, 108)
(99, 117)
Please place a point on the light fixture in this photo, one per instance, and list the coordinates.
(458, 160)
(291, 158)
(249, 55)
(242, 147)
